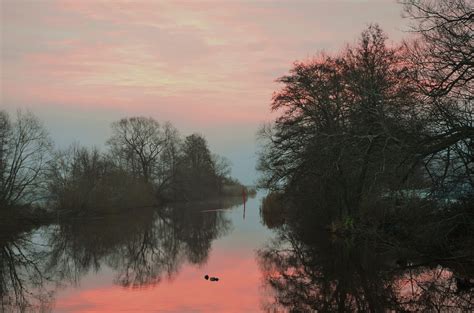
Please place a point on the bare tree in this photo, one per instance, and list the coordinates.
(169, 158)
(222, 166)
(345, 124)
(5, 129)
(443, 59)
(24, 151)
(77, 176)
(445, 51)
(137, 143)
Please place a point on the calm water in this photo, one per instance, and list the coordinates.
(216, 240)
(147, 261)
(154, 260)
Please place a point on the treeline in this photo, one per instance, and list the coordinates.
(379, 129)
(145, 163)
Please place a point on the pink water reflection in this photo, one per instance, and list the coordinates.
(236, 291)
(232, 259)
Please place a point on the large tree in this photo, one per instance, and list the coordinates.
(24, 151)
(345, 124)
(137, 143)
(445, 47)
(443, 57)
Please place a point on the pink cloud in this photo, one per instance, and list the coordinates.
(194, 62)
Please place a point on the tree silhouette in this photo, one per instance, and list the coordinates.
(24, 151)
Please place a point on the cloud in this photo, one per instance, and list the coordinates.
(202, 64)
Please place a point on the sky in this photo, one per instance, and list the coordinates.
(206, 66)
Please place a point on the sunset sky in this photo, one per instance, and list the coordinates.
(206, 66)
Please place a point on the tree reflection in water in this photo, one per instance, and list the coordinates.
(142, 246)
(22, 279)
(306, 270)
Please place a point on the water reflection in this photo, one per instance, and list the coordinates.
(306, 270)
(22, 275)
(142, 246)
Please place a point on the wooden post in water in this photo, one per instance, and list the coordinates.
(244, 198)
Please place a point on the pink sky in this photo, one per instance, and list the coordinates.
(206, 66)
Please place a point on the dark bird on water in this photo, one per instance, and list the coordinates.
(206, 277)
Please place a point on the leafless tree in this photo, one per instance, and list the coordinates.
(76, 176)
(137, 143)
(5, 128)
(169, 159)
(445, 51)
(24, 152)
(443, 58)
(346, 122)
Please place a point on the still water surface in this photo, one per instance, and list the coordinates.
(142, 260)
(155, 260)
(220, 243)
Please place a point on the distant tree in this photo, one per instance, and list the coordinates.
(76, 176)
(196, 154)
(197, 175)
(169, 159)
(82, 180)
(137, 143)
(24, 152)
(222, 170)
(222, 166)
